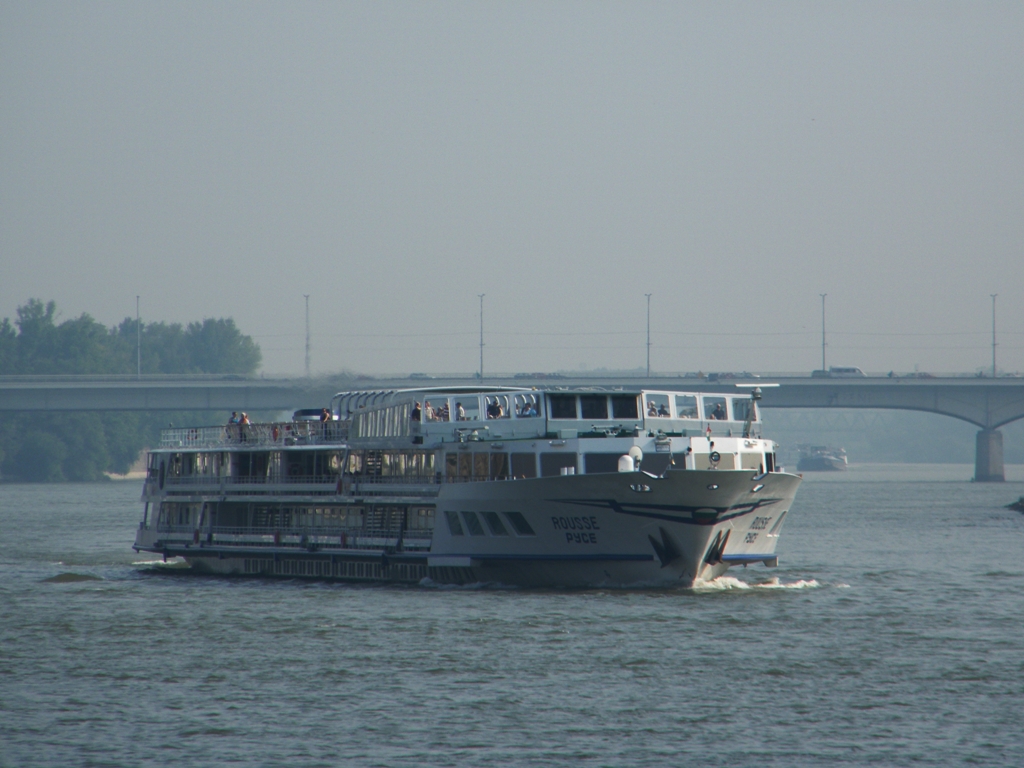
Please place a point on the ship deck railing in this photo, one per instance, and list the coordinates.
(304, 537)
(282, 433)
(317, 482)
(294, 484)
(207, 481)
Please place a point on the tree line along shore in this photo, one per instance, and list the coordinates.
(43, 447)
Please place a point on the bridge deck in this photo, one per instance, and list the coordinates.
(988, 403)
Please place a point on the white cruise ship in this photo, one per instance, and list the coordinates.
(563, 487)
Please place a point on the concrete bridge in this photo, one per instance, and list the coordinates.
(988, 403)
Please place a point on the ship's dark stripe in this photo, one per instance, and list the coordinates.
(364, 555)
(723, 513)
(637, 558)
(375, 556)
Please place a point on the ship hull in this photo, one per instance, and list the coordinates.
(629, 529)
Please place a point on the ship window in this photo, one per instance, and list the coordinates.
(355, 463)
(527, 406)
(657, 463)
(519, 524)
(563, 406)
(714, 408)
(299, 464)
(451, 465)
(434, 411)
(354, 517)
(422, 519)
(499, 466)
(373, 463)
(230, 516)
(453, 524)
(419, 464)
(465, 465)
(624, 407)
(657, 406)
(524, 465)
(473, 524)
(686, 407)
(497, 407)
(480, 465)
(741, 408)
(752, 461)
(594, 406)
(601, 462)
(471, 407)
(495, 524)
(334, 463)
(551, 464)
(427, 463)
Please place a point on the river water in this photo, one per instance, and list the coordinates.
(892, 633)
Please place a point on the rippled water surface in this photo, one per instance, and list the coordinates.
(892, 633)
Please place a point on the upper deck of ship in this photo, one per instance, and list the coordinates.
(435, 415)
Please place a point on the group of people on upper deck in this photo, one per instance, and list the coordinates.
(494, 410)
(655, 410)
(428, 413)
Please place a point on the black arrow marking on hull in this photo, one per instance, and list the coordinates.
(714, 555)
(666, 549)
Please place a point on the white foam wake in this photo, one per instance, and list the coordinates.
(174, 562)
(725, 583)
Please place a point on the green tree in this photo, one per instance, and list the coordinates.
(82, 446)
(217, 346)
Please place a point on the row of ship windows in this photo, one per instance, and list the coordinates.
(337, 569)
(396, 420)
(493, 520)
(482, 465)
(226, 514)
(713, 407)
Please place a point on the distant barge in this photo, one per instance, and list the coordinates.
(821, 458)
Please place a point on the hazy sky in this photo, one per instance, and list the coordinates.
(395, 160)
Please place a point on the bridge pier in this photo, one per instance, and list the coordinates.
(988, 457)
